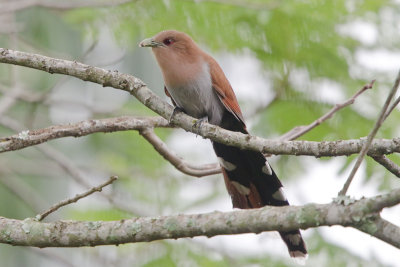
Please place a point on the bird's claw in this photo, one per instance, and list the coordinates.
(197, 125)
(176, 110)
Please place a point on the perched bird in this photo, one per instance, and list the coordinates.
(197, 85)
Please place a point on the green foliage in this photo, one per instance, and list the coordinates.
(98, 215)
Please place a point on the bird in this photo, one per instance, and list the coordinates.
(198, 86)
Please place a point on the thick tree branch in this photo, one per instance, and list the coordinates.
(360, 214)
(381, 229)
(307, 148)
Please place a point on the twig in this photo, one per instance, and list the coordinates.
(301, 130)
(52, 209)
(177, 162)
(371, 136)
(388, 164)
(392, 107)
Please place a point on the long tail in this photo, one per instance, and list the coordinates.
(252, 183)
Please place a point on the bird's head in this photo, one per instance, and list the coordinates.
(177, 54)
(167, 39)
(171, 43)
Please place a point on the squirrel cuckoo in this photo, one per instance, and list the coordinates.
(197, 85)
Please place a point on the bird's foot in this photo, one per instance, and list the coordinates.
(176, 110)
(197, 125)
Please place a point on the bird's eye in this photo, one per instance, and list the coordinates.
(168, 41)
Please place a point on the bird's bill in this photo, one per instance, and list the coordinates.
(149, 42)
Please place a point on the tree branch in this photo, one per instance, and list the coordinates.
(360, 214)
(63, 203)
(392, 107)
(371, 136)
(83, 128)
(306, 148)
(381, 229)
(176, 161)
(301, 130)
(388, 164)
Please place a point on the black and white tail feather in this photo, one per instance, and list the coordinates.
(252, 183)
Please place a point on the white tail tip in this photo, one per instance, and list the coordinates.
(299, 257)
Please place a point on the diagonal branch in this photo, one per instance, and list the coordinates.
(388, 164)
(371, 136)
(301, 130)
(392, 107)
(63, 203)
(381, 229)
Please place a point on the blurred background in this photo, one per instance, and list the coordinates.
(289, 63)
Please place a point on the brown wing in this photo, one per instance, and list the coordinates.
(224, 90)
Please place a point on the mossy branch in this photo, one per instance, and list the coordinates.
(360, 214)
